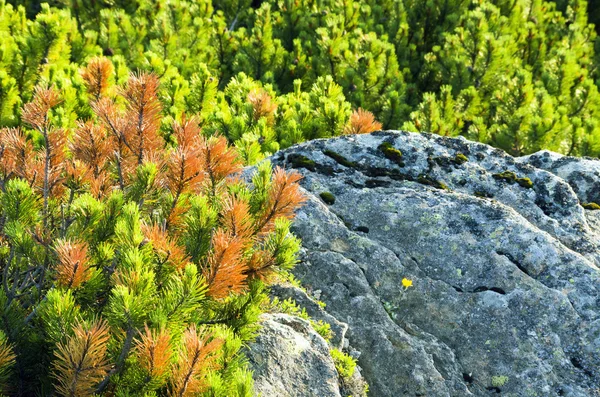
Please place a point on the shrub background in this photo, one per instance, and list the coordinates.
(519, 74)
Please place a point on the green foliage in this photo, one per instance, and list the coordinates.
(344, 364)
(518, 75)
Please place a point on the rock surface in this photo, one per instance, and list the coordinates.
(504, 259)
(290, 359)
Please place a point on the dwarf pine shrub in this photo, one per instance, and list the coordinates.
(521, 75)
(134, 262)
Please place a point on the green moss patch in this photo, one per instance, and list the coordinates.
(327, 197)
(511, 177)
(460, 158)
(391, 153)
(499, 381)
(591, 206)
(340, 159)
(525, 182)
(299, 161)
(426, 180)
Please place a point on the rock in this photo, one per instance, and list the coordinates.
(583, 174)
(316, 312)
(290, 359)
(504, 261)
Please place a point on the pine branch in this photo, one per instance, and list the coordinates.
(225, 266)
(236, 217)
(143, 114)
(362, 122)
(283, 199)
(81, 360)
(197, 356)
(220, 161)
(72, 269)
(126, 348)
(154, 352)
(96, 76)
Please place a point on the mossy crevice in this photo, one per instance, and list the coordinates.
(391, 153)
(340, 159)
(511, 178)
(398, 176)
(483, 194)
(427, 180)
(299, 161)
(327, 197)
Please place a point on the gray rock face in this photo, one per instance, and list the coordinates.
(583, 174)
(290, 359)
(506, 295)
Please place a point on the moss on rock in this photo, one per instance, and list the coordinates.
(391, 153)
(591, 206)
(327, 197)
(340, 159)
(300, 161)
(525, 182)
(499, 381)
(511, 177)
(426, 180)
(460, 158)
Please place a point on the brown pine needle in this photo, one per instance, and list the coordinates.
(283, 199)
(81, 360)
(35, 113)
(154, 352)
(73, 266)
(362, 122)
(96, 76)
(165, 247)
(220, 160)
(225, 270)
(262, 105)
(197, 356)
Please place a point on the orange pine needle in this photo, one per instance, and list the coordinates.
(81, 360)
(35, 113)
(262, 105)
(96, 76)
(7, 357)
(225, 270)
(197, 356)
(165, 246)
(17, 154)
(143, 115)
(73, 267)
(184, 165)
(90, 144)
(236, 217)
(362, 122)
(283, 199)
(220, 160)
(154, 352)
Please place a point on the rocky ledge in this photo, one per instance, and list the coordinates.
(503, 256)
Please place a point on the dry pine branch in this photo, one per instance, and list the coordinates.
(81, 360)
